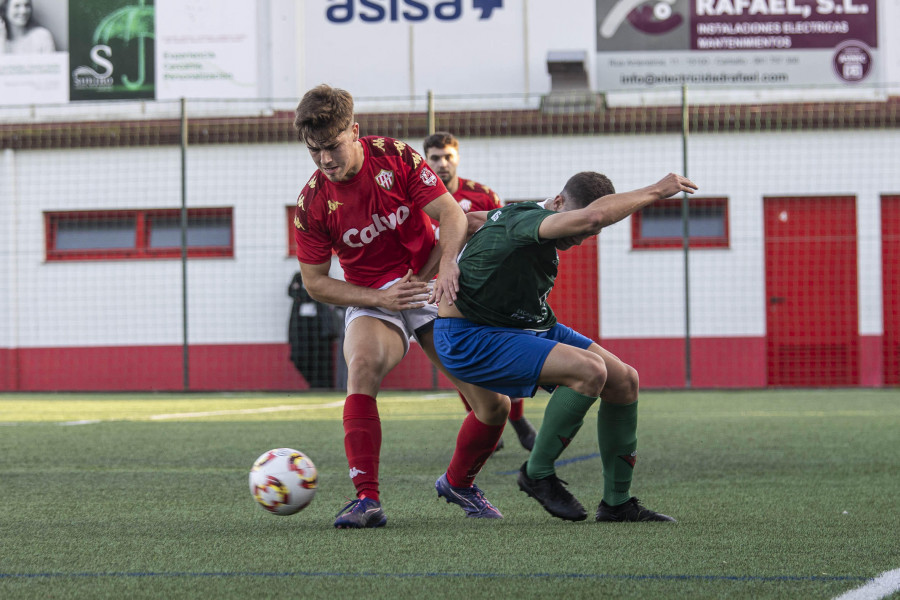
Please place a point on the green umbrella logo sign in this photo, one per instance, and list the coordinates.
(129, 23)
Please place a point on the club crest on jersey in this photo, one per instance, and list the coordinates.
(428, 177)
(465, 204)
(385, 179)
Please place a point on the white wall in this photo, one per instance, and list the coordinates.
(728, 286)
(82, 303)
(8, 244)
(244, 300)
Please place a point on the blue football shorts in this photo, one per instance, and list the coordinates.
(506, 360)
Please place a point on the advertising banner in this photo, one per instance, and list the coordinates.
(771, 43)
(111, 52)
(56, 51)
(206, 49)
(34, 61)
(391, 47)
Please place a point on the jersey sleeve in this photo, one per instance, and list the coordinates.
(523, 222)
(487, 199)
(420, 183)
(423, 185)
(313, 240)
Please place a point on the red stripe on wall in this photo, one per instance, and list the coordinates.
(728, 362)
(244, 367)
(8, 369)
(738, 362)
(659, 362)
(415, 372)
(152, 368)
(871, 365)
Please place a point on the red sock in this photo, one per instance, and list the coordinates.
(464, 401)
(515, 408)
(474, 445)
(362, 443)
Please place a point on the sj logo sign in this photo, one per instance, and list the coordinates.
(112, 49)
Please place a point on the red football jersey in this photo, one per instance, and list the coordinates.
(473, 197)
(374, 222)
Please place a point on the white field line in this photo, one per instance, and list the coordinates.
(218, 413)
(245, 411)
(882, 586)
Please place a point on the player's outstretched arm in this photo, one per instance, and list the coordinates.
(403, 295)
(610, 209)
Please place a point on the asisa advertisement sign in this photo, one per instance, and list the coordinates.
(381, 48)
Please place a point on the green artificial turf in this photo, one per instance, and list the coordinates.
(778, 494)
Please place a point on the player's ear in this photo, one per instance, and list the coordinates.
(355, 131)
(556, 204)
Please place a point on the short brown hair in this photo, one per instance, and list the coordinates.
(441, 139)
(323, 113)
(585, 187)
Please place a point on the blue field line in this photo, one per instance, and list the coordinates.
(559, 463)
(589, 576)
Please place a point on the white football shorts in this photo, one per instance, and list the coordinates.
(408, 321)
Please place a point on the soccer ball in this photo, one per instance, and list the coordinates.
(283, 481)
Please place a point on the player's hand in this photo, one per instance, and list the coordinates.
(405, 294)
(447, 283)
(671, 184)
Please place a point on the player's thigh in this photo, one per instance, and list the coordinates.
(621, 378)
(372, 347)
(490, 407)
(582, 370)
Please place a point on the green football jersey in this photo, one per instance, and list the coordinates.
(507, 271)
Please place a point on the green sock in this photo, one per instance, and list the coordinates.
(562, 420)
(617, 437)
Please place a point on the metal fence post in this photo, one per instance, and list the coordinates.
(185, 351)
(685, 238)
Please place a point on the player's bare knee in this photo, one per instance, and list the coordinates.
(622, 389)
(634, 383)
(627, 388)
(593, 376)
(491, 410)
(366, 368)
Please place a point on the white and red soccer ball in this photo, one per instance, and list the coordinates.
(283, 481)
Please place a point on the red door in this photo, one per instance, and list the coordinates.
(575, 298)
(811, 291)
(890, 286)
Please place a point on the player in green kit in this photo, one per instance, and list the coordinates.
(501, 335)
(442, 155)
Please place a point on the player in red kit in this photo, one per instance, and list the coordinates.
(370, 201)
(442, 155)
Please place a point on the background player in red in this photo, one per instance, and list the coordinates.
(371, 200)
(442, 154)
